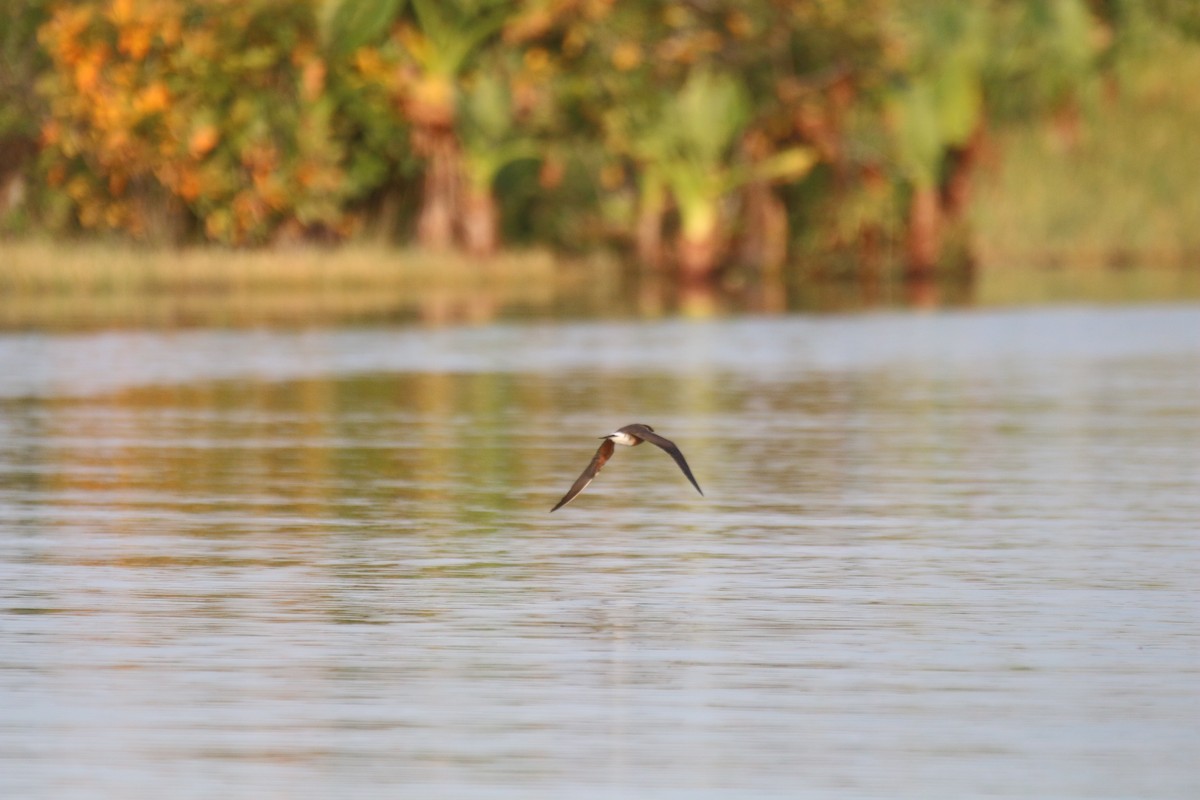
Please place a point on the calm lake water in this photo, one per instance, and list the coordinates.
(946, 555)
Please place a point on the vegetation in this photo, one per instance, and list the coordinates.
(695, 137)
(103, 285)
(1117, 191)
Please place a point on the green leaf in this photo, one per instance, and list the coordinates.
(786, 165)
(916, 134)
(349, 24)
(958, 98)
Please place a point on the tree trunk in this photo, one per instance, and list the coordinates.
(15, 153)
(698, 257)
(480, 222)
(439, 205)
(648, 239)
(924, 231)
(956, 190)
(764, 245)
(648, 234)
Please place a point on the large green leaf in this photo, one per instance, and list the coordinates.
(455, 29)
(918, 139)
(490, 136)
(710, 113)
(347, 25)
(958, 98)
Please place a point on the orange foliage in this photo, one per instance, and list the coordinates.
(207, 103)
(202, 140)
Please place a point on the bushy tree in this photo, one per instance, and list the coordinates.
(692, 135)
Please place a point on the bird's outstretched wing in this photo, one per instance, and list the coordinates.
(603, 454)
(673, 451)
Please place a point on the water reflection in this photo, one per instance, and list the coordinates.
(950, 555)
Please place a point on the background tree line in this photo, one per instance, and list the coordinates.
(692, 135)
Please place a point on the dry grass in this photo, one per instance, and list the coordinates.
(72, 286)
(35, 266)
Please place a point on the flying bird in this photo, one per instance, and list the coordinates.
(630, 436)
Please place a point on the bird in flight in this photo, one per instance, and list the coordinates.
(630, 436)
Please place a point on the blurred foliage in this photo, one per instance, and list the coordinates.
(21, 61)
(216, 113)
(689, 133)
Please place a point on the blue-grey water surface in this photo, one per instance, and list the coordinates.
(938, 556)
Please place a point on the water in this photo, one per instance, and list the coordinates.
(946, 555)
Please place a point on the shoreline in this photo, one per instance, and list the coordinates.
(83, 286)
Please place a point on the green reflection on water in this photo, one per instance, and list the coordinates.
(459, 453)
